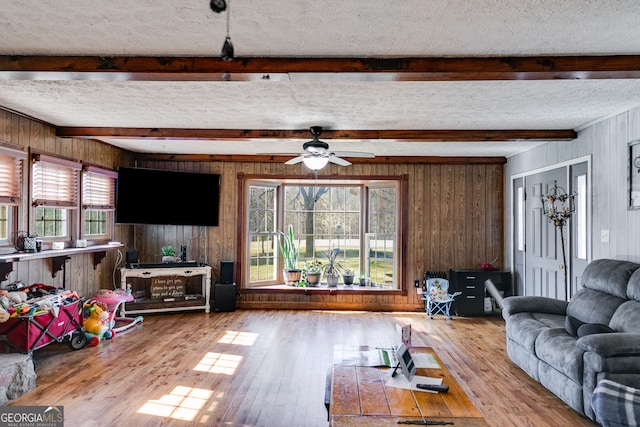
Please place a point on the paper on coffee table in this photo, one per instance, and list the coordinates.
(401, 381)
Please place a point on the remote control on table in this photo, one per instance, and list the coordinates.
(434, 387)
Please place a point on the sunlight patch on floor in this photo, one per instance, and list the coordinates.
(219, 363)
(182, 403)
(239, 338)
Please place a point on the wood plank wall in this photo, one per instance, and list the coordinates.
(80, 273)
(455, 219)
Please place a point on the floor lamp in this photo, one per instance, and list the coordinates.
(558, 206)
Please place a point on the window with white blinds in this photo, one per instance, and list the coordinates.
(11, 175)
(98, 188)
(55, 182)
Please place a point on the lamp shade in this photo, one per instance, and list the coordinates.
(315, 162)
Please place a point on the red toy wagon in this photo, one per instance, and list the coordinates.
(30, 332)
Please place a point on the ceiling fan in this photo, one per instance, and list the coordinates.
(316, 153)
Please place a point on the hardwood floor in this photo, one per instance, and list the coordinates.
(268, 368)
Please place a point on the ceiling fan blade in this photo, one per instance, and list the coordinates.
(294, 161)
(338, 160)
(354, 154)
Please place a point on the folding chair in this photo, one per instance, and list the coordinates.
(437, 299)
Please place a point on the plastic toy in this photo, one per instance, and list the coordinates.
(113, 300)
(96, 321)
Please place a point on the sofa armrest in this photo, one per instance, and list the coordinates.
(520, 304)
(612, 344)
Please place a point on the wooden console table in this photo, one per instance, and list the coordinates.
(148, 273)
(359, 396)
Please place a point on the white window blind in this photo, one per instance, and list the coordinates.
(11, 175)
(98, 188)
(55, 182)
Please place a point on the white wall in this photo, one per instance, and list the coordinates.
(606, 143)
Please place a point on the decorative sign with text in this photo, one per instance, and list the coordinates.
(162, 287)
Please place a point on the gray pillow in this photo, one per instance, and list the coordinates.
(571, 324)
(593, 328)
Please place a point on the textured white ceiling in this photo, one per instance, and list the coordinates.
(295, 28)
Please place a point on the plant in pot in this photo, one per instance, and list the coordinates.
(168, 253)
(289, 252)
(332, 268)
(363, 280)
(347, 276)
(313, 271)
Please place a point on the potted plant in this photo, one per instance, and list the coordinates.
(289, 252)
(168, 253)
(363, 280)
(332, 268)
(313, 271)
(347, 276)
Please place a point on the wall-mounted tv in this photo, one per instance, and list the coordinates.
(154, 196)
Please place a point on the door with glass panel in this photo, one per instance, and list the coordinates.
(540, 266)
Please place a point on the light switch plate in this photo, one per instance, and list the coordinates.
(604, 236)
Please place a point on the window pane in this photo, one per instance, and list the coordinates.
(51, 222)
(4, 222)
(581, 217)
(520, 219)
(96, 223)
(381, 237)
(262, 234)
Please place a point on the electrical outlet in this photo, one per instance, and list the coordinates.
(604, 236)
(416, 283)
(419, 291)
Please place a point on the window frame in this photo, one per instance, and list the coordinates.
(40, 198)
(105, 194)
(12, 190)
(245, 180)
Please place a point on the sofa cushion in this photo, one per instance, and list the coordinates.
(593, 328)
(590, 306)
(558, 349)
(627, 318)
(571, 324)
(609, 276)
(633, 288)
(524, 328)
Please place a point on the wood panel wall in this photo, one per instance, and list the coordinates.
(80, 273)
(455, 219)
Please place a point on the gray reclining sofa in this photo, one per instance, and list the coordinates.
(569, 347)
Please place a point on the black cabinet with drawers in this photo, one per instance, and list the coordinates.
(471, 284)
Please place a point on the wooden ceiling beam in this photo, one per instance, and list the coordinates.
(156, 68)
(265, 158)
(443, 135)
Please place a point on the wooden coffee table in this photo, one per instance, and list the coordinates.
(360, 397)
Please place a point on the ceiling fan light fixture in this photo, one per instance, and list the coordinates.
(315, 162)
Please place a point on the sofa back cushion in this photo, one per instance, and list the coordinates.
(627, 318)
(609, 276)
(589, 306)
(633, 289)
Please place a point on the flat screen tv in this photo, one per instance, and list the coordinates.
(154, 196)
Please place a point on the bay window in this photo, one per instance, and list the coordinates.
(361, 217)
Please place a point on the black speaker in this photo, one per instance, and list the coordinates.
(226, 272)
(224, 297)
(131, 257)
